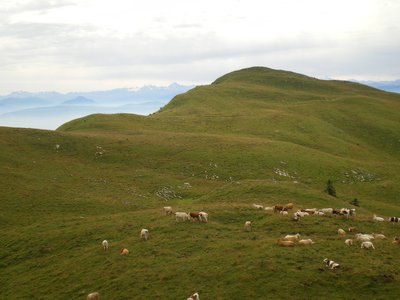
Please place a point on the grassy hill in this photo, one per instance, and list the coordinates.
(253, 136)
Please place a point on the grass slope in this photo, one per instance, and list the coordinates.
(229, 140)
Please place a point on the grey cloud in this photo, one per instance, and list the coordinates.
(200, 58)
(126, 54)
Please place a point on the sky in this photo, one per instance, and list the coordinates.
(72, 45)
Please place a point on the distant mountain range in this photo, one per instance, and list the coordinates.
(48, 110)
(389, 86)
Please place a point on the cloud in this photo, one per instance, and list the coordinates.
(121, 43)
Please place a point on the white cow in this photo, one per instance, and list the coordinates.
(181, 216)
(348, 242)
(203, 216)
(144, 234)
(331, 264)
(247, 226)
(367, 245)
(306, 242)
(168, 210)
(93, 296)
(379, 236)
(327, 211)
(300, 213)
(364, 237)
(379, 219)
(105, 245)
(256, 206)
(292, 237)
(195, 296)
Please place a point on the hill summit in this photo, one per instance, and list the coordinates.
(246, 89)
(274, 104)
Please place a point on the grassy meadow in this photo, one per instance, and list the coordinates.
(253, 136)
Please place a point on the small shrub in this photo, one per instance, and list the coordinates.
(330, 189)
(355, 202)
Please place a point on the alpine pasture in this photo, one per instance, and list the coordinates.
(253, 136)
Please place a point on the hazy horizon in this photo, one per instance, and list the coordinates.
(49, 110)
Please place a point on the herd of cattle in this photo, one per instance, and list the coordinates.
(289, 240)
(144, 235)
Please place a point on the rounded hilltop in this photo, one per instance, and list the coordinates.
(288, 80)
(258, 75)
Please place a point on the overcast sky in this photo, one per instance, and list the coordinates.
(83, 45)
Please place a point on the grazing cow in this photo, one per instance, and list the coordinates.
(124, 251)
(93, 296)
(379, 219)
(105, 245)
(306, 242)
(292, 237)
(396, 240)
(363, 237)
(288, 206)
(379, 236)
(247, 226)
(347, 212)
(203, 216)
(331, 264)
(167, 210)
(394, 220)
(256, 206)
(181, 216)
(367, 245)
(341, 232)
(195, 296)
(144, 234)
(269, 208)
(300, 213)
(310, 211)
(327, 211)
(348, 242)
(286, 243)
(278, 207)
(194, 216)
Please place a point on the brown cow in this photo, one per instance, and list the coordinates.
(194, 216)
(288, 206)
(278, 207)
(124, 251)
